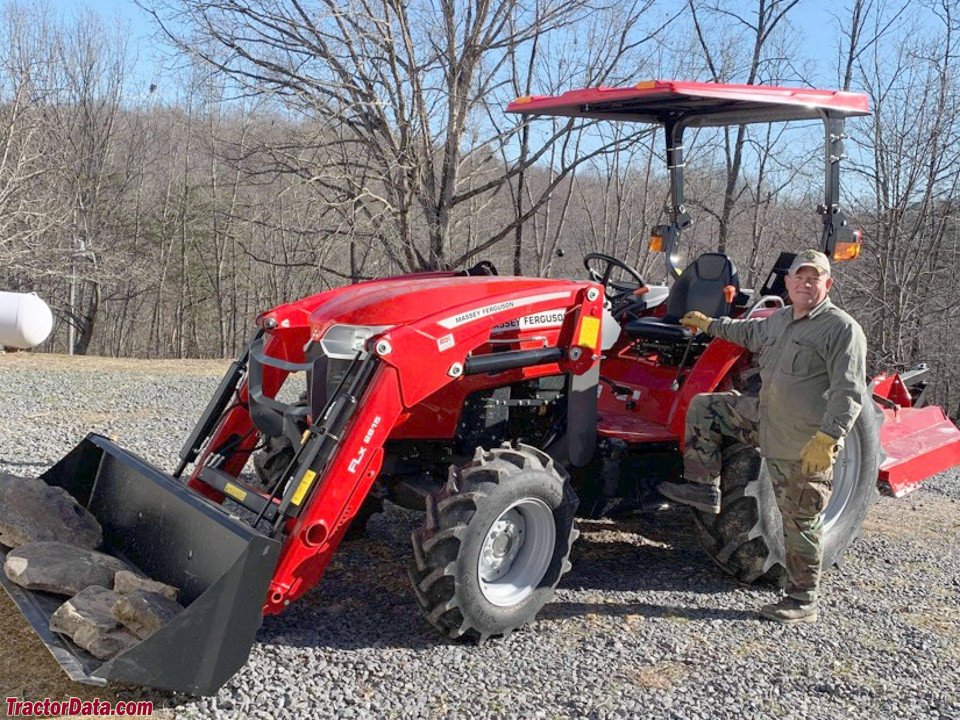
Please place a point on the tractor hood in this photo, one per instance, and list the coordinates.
(401, 300)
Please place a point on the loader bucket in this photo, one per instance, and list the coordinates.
(222, 566)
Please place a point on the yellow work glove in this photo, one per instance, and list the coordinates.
(698, 320)
(819, 454)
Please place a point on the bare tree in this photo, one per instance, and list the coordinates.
(911, 160)
(398, 97)
(83, 112)
(27, 196)
(738, 27)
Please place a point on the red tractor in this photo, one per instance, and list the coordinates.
(502, 406)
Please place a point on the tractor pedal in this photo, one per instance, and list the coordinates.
(236, 490)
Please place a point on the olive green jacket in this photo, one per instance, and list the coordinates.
(813, 373)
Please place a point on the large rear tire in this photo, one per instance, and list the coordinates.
(495, 543)
(746, 538)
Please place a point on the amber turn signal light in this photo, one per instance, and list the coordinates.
(849, 250)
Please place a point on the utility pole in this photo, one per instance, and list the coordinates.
(80, 250)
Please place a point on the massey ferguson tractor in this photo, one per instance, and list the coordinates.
(503, 407)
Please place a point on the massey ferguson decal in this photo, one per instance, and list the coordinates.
(476, 314)
(545, 319)
(480, 312)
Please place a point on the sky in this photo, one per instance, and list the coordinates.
(814, 20)
(124, 9)
(142, 29)
(818, 23)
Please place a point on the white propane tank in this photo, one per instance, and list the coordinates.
(25, 320)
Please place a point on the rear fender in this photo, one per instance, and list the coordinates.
(712, 367)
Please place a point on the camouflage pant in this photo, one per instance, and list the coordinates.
(712, 417)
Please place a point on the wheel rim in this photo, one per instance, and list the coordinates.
(846, 477)
(516, 552)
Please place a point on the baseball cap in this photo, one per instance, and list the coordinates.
(811, 258)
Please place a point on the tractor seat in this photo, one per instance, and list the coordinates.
(709, 284)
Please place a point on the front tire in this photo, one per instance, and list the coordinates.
(495, 543)
(746, 538)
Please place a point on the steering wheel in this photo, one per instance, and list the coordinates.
(621, 290)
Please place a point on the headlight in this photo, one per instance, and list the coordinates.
(343, 342)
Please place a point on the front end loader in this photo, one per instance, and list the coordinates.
(378, 376)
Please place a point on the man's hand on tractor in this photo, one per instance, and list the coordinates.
(698, 320)
(819, 454)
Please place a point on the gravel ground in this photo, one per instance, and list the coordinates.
(643, 626)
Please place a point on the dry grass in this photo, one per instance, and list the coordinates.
(93, 364)
(659, 676)
(915, 517)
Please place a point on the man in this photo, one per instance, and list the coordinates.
(812, 359)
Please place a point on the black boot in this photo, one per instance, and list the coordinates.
(705, 498)
(791, 611)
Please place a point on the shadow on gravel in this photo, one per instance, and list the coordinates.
(647, 571)
(564, 611)
(651, 552)
(331, 620)
(365, 599)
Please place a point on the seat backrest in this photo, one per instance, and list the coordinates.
(776, 284)
(701, 287)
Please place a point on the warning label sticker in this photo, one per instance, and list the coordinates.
(445, 343)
